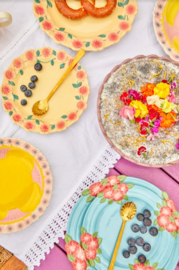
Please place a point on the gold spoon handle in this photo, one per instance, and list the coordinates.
(113, 260)
(77, 58)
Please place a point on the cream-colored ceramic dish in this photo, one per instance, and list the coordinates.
(26, 185)
(65, 107)
(88, 33)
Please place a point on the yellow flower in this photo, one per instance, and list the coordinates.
(162, 90)
(167, 106)
(141, 109)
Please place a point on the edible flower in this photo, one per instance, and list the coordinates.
(127, 112)
(142, 150)
(148, 89)
(173, 85)
(154, 100)
(162, 90)
(168, 119)
(151, 137)
(141, 109)
(177, 145)
(144, 128)
(167, 106)
(172, 97)
(134, 94)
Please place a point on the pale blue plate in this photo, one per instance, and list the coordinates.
(105, 219)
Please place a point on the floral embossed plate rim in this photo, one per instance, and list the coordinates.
(99, 111)
(126, 12)
(52, 60)
(160, 32)
(46, 186)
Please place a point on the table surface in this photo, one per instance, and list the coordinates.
(57, 258)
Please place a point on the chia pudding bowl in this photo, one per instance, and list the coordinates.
(123, 135)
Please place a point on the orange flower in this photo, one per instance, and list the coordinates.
(168, 119)
(148, 90)
(154, 107)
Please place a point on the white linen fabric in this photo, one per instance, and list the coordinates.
(80, 155)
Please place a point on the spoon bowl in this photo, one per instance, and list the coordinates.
(40, 107)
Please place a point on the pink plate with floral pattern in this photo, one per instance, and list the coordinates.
(67, 104)
(89, 33)
(26, 185)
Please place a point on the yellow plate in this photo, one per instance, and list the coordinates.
(89, 33)
(26, 185)
(67, 104)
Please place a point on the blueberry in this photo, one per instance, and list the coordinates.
(140, 217)
(23, 88)
(131, 242)
(147, 213)
(147, 222)
(34, 78)
(126, 254)
(28, 93)
(142, 258)
(140, 241)
(23, 102)
(153, 231)
(133, 250)
(147, 247)
(38, 66)
(143, 229)
(31, 85)
(135, 228)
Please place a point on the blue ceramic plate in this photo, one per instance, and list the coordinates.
(97, 214)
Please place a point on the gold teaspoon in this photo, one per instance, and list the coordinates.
(128, 212)
(41, 106)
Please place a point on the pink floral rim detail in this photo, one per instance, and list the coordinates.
(48, 57)
(47, 189)
(144, 266)
(85, 253)
(127, 12)
(160, 31)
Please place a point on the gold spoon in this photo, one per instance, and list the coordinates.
(41, 106)
(128, 212)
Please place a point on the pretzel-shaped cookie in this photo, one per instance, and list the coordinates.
(87, 8)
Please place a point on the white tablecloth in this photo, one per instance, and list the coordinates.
(72, 153)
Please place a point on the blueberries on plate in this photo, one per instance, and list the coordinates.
(38, 66)
(131, 242)
(153, 231)
(23, 102)
(31, 85)
(143, 229)
(147, 222)
(142, 258)
(135, 228)
(147, 213)
(140, 217)
(147, 247)
(34, 78)
(28, 93)
(126, 254)
(23, 88)
(133, 250)
(140, 241)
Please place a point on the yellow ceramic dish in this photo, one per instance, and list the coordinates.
(89, 33)
(26, 185)
(67, 104)
(166, 21)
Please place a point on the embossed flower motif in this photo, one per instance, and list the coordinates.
(96, 188)
(61, 55)
(17, 117)
(86, 238)
(79, 253)
(71, 247)
(81, 105)
(18, 63)
(79, 265)
(139, 267)
(61, 124)
(124, 26)
(29, 125)
(83, 90)
(113, 180)
(47, 25)
(30, 55)
(2, 142)
(8, 105)
(72, 116)
(39, 10)
(6, 89)
(108, 193)
(160, 6)
(81, 75)
(46, 52)
(90, 254)
(97, 43)
(163, 220)
(78, 44)
(113, 37)
(59, 36)
(44, 128)
(130, 9)
(9, 74)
